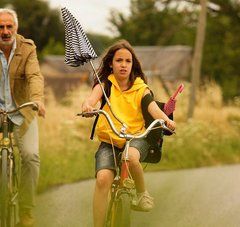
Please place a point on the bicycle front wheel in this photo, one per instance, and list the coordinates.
(4, 187)
(121, 211)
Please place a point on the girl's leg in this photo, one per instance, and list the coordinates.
(144, 201)
(104, 180)
(136, 169)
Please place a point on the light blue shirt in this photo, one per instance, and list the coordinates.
(6, 100)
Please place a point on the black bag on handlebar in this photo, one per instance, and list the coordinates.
(155, 137)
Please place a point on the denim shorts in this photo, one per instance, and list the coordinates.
(104, 158)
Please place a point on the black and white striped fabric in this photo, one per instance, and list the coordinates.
(78, 49)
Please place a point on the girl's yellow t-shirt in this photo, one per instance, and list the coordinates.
(127, 107)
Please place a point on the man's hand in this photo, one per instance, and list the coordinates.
(41, 108)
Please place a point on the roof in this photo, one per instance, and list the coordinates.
(170, 62)
(55, 66)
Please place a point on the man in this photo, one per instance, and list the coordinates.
(21, 81)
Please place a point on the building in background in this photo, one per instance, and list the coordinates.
(169, 64)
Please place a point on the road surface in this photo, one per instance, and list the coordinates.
(183, 198)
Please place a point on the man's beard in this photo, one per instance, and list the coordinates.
(7, 43)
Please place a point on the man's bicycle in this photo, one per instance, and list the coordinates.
(9, 172)
(123, 188)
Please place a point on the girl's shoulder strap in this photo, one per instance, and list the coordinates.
(107, 89)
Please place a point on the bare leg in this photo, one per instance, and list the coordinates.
(136, 169)
(103, 183)
(144, 201)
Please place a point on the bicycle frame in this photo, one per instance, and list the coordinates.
(9, 173)
(119, 209)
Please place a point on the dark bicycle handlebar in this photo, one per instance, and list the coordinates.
(122, 133)
(27, 104)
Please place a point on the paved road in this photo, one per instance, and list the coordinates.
(184, 198)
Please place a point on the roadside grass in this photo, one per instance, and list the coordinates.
(210, 138)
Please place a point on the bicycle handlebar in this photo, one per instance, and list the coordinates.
(122, 133)
(33, 104)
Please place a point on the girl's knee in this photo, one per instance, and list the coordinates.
(134, 156)
(104, 179)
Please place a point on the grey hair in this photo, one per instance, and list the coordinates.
(12, 13)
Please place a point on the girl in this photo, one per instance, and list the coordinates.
(121, 67)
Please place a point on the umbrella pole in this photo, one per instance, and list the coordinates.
(104, 93)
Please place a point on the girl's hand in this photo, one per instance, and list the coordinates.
(86, 107)
(171, 124)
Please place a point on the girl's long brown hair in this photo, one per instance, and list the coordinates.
(105, 70)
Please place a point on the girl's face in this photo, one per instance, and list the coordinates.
(122, 64)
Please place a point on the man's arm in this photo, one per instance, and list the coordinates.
(35, 81)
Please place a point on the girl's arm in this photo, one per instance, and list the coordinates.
(157, 113)
(90, 102)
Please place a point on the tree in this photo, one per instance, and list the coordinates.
(153, 23)
(167, 22)
(197, 57)
(38, 21)
(222, 50)
(99, 42)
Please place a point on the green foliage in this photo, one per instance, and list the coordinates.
(53, 48)
(38, 21)
(154, 22)
(4, 3)
(197, 145)
(99, 42)
(222, 49)
(44, 25)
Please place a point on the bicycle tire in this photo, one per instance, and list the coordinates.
(13, 195)
(120, 214)
(4, 187)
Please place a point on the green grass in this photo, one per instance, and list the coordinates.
(67, 153)
(66, 165)
(70, 160)
(195, 145)
(198, 146)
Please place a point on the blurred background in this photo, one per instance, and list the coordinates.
(191, 42)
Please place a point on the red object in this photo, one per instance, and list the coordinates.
(124, 171)
(169, 107)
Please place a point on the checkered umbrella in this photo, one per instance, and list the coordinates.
(169, 107)
(78, 49)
